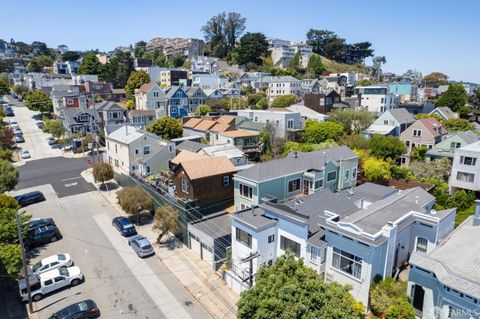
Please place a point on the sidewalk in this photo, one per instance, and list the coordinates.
(194, 274)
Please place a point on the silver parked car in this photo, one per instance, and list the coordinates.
(141, 246)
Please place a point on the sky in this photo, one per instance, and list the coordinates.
(426, 35)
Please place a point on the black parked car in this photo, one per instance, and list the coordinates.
(30, 198)
(19, 138)
(39, 222)
(9, 112)
(42, 235)
(80, 310)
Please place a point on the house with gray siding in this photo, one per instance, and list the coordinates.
(349, 237)
(466, 168)
(391, 122)
(297, 174)
(447, 147)
(445, 283)
(281, 121)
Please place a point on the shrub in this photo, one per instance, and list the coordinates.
(134, 199)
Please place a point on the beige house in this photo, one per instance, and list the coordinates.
(424, 132)
(129, 146)
(150, 97)
(239, 138)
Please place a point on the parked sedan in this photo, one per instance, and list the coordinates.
(19, 138)
(141, 246)
(30, 198)
(52, 262)
(39, 222)
(51, 140)
(40, 124)
(17, 131)
(25, 154)
(80, 310)
(124, 226)
(42, 235)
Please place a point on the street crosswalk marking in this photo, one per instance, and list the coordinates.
(163, 298)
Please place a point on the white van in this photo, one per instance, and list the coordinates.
(50, 281)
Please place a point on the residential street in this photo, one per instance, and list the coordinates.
(122, 285)
(35, 138)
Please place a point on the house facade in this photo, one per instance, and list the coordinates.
(150, 97)
(391, 122)
(241, 139)
(196, 97)
(348, 237)
(444, 283)
(141, 117)
(298, 174)
(466, 168)
(174, 77)
(80, 120)
(376, 98)
(322, 102)
(451, 142)
(281, 121)
(110, 113)
(445, 113)
(209, 81)
(176, 102)
(282, 85)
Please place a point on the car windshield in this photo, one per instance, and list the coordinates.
(61, 257)
(127, 226)
(37, 266)
(82, 306)
(147, 247)
(63, 272)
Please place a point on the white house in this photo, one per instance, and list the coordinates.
(128, 147)
(150, 97)
(466, 168)
(349, 237)
(282, 85)
(80, 79)
(376, 98)
(209, 81)
(307, 113)
(281, 121)
(392, 122)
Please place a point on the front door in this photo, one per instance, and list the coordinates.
(306, 187)
(418, 295)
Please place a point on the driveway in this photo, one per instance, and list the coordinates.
(35, 138)
(122, 285)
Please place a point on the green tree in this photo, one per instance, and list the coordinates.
(6, 154)
(435, 79)
(252, 48)
(34, 66)
(418, 153)
(8, 202)
(440, 169)
(266, 141)
(134, 200)
(455, 97)
(8, 176)
(285, 100)
(222, 32)
(353, 121)
(288, 289)
(327, 44)
(376, 169)
(166, 127)
(294, 63)
(289, 147)
(365, 83)
(4, 88)
(262, 104)
(130, 105)
(102, 172)
(315, 67)
(458, 125)
(386, 147)
(159, 58)
(426, 116)
(401, 172)
(318, 132)
(177, 60)
(166, 221)
(388, 297)
(90, 64)
(140, 48)
(21, 89)
(55, 127)
(38, 101)
(45, 61)
(204, 109)
(355, 141)
(118, 69)
(135, 81)
(70, 56)
(10, 259)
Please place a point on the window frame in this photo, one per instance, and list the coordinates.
(355, 263)
(185, 185)
(299, 180)
(331, 179)
(239, 237)
(286, 244)
(421, 246)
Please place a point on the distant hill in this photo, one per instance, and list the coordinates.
(336, 67)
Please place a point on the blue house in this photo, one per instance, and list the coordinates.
(176, 102)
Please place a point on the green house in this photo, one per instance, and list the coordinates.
(447, 147)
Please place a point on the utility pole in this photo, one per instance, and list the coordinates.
(250, 259)
(25, 265)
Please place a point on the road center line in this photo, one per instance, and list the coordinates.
(163, 298)
(69, 179)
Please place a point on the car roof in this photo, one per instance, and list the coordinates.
(143, 241)
(73, 308)
(53, 258)
(30, 194)
(123, 220)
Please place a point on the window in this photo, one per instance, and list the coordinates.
(454, 145)
(422, 244)
(347, 263)
(318, 183)
(346, 175)
(294, 185)
(245, 191)
(407, 143)
(385, 122)
(288, 244)
(116, 163)
(465, 177)
(226, 180)
(255, 119)
(69, 101)
(185, 185)
(467, 160)
(354, 173)
(290, 124)
(116, 148)
(148, 169)
(136, 151)
(417, 133)
(108, 145)
(271, 239)
(314, 254)
(331, 176)
(146, 150)
(243, 237)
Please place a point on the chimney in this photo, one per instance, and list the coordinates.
(253, 210)
(476, 217)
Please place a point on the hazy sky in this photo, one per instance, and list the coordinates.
(427, 35)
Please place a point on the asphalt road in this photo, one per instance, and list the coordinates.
(62, 173)
(122, 285)
(35, 138)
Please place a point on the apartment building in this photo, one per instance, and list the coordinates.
(466, 168)
(281, 121)
(282, 85)
(376, 98)
(186, 47)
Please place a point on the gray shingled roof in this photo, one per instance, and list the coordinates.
(190, 146)
(402, 115)
(108, 106)
(370, 191)
(290, 164)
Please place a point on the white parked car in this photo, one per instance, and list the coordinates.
(12, 122)
(50, 281)
(52, 262)
(25, 154)
(51, 140)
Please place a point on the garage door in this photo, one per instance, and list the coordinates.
(195, 245)
(207, 254)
